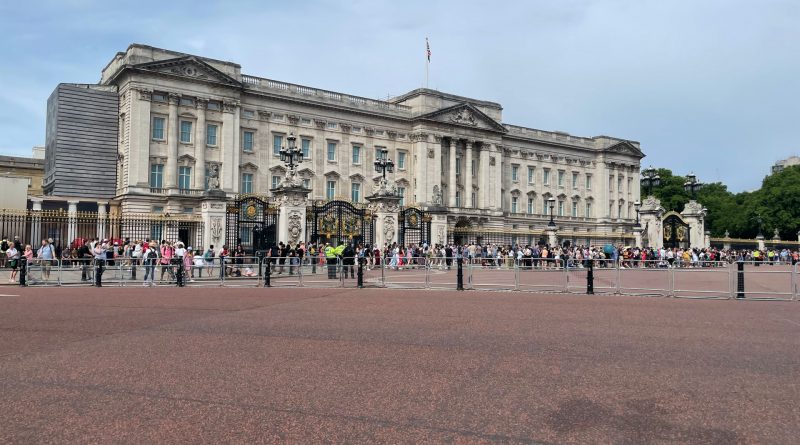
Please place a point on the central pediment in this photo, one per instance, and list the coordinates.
(464, 115)
(191, 67)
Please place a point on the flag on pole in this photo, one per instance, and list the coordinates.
(428, 46)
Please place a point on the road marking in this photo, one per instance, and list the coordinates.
(4, 295)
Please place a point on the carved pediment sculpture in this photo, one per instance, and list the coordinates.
(464, 117)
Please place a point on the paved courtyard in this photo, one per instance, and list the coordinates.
(211, 365)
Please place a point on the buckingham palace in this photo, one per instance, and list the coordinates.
(180, 117)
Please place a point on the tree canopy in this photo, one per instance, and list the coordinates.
(776, 204)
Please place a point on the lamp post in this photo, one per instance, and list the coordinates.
(384, 164)
(692, 185)
(650, 179)
(636, 206)
(291, 155)
(551, 202)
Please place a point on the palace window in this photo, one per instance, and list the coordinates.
(332, 125)
(247, 141)
(458, 197)
(561, 178)
(401, 192)
(356, 154)
(184, 178)
(331, 151)
(514, 201)
(214, 105)
(307, 183)
(588, 181)
(458, 166)
(401, 160)
(355, 192)
(330, 190)
(474, 200)
(248, 114)
(531, 205)
(473, 167)
(531, 171)
(588, 210)
(574, 208)
(619, 184)
(247, 183)
(158, 128)
(159, 97)
(611, 183)
(574, 180)
(546, 176)
(379, 153)
(157, 175)
(277, 143)
(515, 172)
(187, 101)
(211, 135)
(305, 145)
(560, 208)
(186, 132)
(276, 181)
(630, 189)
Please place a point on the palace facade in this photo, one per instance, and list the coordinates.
(180, 115)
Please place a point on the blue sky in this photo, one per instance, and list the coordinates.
(705, 86)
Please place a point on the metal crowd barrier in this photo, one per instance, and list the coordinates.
(710, 280)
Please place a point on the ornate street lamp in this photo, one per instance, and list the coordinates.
(692, 185)
(292, 155)
(384, 164)
(636, 206)
(551, 202)
(650, 179)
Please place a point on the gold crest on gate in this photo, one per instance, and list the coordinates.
(251, 211)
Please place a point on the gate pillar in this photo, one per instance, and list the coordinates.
(385, 204)
(438, 214)
(650, 219)
(213, 211)
(694, 214)
(293, 200)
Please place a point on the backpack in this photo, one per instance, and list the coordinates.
(4, 246)
(208, 255)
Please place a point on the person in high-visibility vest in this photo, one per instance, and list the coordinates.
(330, 258)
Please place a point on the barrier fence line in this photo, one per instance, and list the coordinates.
(721, 280)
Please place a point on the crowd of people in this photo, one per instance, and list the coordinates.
(176, 263)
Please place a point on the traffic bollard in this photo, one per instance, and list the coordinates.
(460, 274)
(740, 280)
(268, 273)
(23, 271)
(590, 279)
(360, 273)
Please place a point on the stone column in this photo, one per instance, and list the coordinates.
(694, 215)
(173, 134)
(293, 200)
(452, 185)
(229, 153)
(637, 234)
(72, 227)
(483, 166)
(198, 180)
(385, 207)
(467, 172)
(138, 159)
(650, 219)
(213, 212)
(36, 223)
(101, 219)
(497, 189)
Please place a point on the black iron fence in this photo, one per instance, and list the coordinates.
(70, 230)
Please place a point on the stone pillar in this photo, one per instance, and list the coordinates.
(138, 158)
(173, 133)
(385, 206)
(552, 235)
(483, 166)
(496, 166)
(293, 200)
(198, 180)
(694, 215)
(707, 239)
(760, 239)
(650, 219)
(72, 227)
(36, 223)
(101, 219)
(213, 212)
(425, 178)
(467, 173)
(637, 234)
(452, 184)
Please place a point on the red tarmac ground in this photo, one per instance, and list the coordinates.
(212, 365)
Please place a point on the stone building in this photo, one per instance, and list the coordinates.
(180, 115)
(20, 178)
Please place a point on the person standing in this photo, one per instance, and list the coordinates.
(47, 256)
(150, 258)
(99, 254)
(12, 254)
(330, 258)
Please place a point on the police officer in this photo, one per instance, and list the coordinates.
(330, 258)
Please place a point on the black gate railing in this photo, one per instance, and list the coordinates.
(338, 222)
(676, 232)
(414, 227)
(251, 222)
